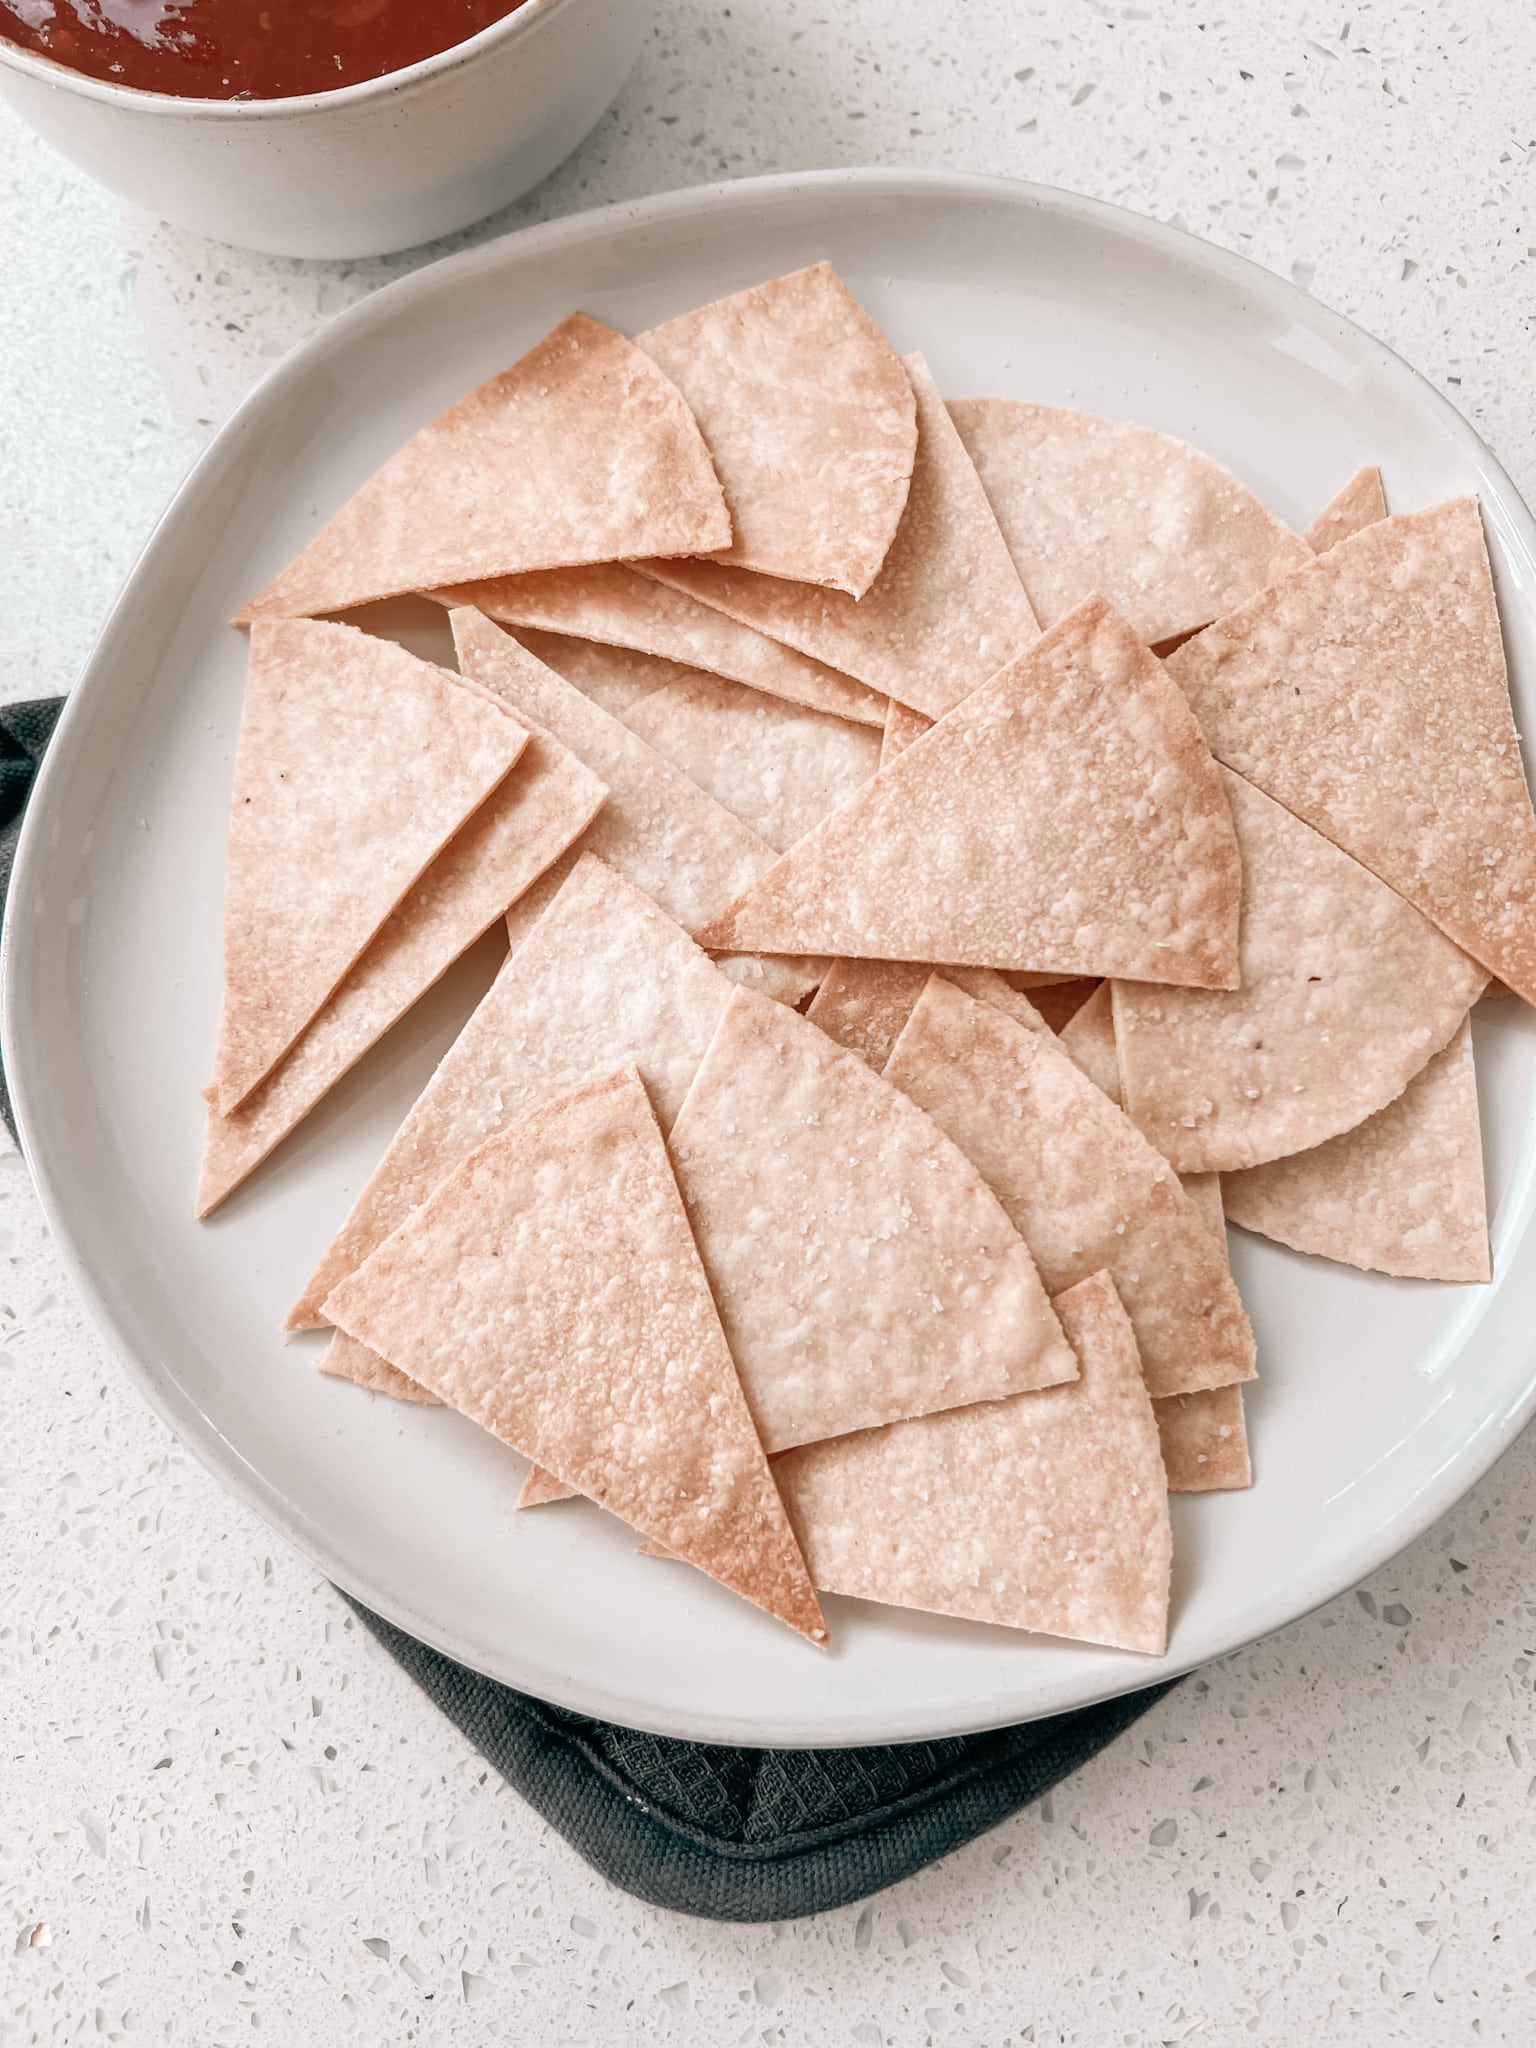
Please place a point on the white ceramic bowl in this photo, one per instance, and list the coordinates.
(382, 165)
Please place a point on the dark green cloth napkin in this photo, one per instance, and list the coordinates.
(729, 1834)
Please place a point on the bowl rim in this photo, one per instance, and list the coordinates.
(525, 17)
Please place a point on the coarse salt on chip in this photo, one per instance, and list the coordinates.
(525, 824)
(581, 452)
(1347, 991)
(356, 764)
(550, 1290)
(864, 1271)
(603, 980)
(1048, 1511)
(1401, 1193)
(947, 608)
(1360, 503)
(1367, 693)
(669, 836)
(811, 422)
(1095, 507)
(1078, 1181)
(1066, 816)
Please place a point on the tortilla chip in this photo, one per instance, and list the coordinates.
(1092, 507)
(1359, 504)
(1089, 1039)
(863, 1270)
(778, 767)
(621, 608)
(1047, 1512)
(810, 420)
(902, 727)
(1078, 1182)
(1204, 1190)
(525, 824)
(1066, 816)
(658, 827)
(1347, 991)
(345, 1359)
(1367, 693)
(1204, 1439)
(541, 1487)
(581, 452)
(356, 765)
(863, 1004)
(603, 980)
(1401, 1193)
(617, 678)
(945, 612)
(550, 1290)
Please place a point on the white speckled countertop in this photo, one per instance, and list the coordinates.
(224, 1814)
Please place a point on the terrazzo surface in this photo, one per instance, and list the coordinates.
(224, 1815)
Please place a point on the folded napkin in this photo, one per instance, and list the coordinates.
(728, 1834)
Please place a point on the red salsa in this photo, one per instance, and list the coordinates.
(242, 49)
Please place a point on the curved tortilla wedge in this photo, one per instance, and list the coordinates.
(1095, 507)
(1347, 991)
(1368, 694)
(1065, 816)
(863, 1269)
(810, 420)
(1360, 503)
(1078, 1181)
(947, 608)
(356, 765)
(1401, 1193)
(581, 452)
(550, 1290)
(1047, 1512)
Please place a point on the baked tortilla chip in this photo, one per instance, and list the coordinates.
(622, 608)
(603, 980)
(863, 1270)
(1204, 1190)
(1204, 1439)
(1367, 693)
(1089, 1038)
(581, 452)
(1347, 991)
(778, 767)
(902, 727)
(810, 420)
(1094, 507)
(545, 804)
(658, 826)
(356, 765)
(345, 1359)
(1359, 504)
(1047, 1512)
(551, 1291)
(617, 678)
(1401, 1193)
(1066, 816)
(947, 608)
(863, 1004)
(1079, 1183)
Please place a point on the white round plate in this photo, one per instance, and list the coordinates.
(1379, 1401)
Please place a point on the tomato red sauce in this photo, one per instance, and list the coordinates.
(242, 49)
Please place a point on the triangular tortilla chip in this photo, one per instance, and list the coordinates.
(1204, 1440)
(945, 612)
(603, 980)
(541, 1487)
(902, 727)
(546, 802)
(1065, 816)
(863, 1004)
(581, 452)
(778, 767)
(1204, 1190)
(345, 1359)
(1089, 1038)
(810, 420)
(658, 827)
(551, 1291)
(1078, 1182)
(616, 678)
(1367, 693)
(621, 608)
(863, 1269)
(356, 765)
(1047, 1512)
(1401, 1193)
(1347, 991)
(1359, 504)
(1095, 507)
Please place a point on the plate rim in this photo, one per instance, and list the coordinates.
(165, 1394)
